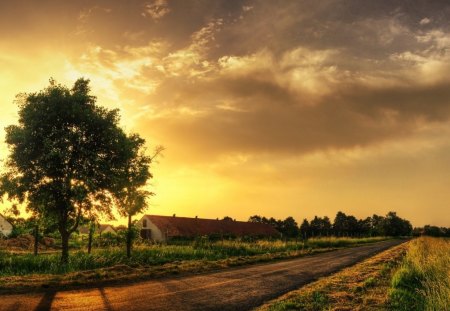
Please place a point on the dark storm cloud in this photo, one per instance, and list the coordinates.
(356, 116)
(280, 76)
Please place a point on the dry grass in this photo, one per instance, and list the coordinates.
(363, 286)
(423, 280)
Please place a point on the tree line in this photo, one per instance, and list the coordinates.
(432, 231)
(342, 226)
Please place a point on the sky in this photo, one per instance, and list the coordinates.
(276, 108)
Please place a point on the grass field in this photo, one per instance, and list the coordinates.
(363, 286)
(154, 255)
(423, 280)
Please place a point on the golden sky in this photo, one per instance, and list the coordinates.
(278, 108)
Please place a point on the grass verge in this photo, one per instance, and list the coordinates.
(363, 286)
(25, 271)
(423, 280)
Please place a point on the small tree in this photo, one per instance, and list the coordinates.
(131, 197)
(92, 224)
(39, 221)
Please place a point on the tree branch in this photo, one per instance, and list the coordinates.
(77, 221)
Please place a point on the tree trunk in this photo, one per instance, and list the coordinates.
(91, 233)
(36, 239)
(129, 237)
(65, 247)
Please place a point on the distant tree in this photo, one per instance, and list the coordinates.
(395, 226)
(326, 226)
(66, 154)
(227, 218)
(289, 228)
(365, 226)
(315, 226)
(378, 228)
(340, 224)
(434, 231)
(305, 229)
(256, 218)
(351, 225)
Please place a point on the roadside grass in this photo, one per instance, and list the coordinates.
(363, 286)
(27, 271)
(154, 255)
(423, 280)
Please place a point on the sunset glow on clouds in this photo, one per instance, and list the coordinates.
(278, 108)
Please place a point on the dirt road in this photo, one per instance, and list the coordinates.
(234, 289)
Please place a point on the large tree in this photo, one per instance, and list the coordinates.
(66, 154)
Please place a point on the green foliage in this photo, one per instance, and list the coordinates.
(202, 249)
(68, 155)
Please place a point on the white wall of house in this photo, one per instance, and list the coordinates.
(157, 235)
(5, 226)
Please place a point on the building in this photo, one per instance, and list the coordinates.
(103, 228)
(162, 228)
(5, 226)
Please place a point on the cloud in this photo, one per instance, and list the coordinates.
(156, 9)
(306, 101)
(290, 86)
(425, 21)
(192, 60)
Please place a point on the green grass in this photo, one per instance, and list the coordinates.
(423, 280)
(156, 255)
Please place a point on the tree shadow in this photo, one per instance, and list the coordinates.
(107, 304)
(46, 301)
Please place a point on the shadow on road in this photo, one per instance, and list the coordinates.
(46, 301)
(107, 304)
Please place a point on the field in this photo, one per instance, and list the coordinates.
(200, 255)
(412, 276)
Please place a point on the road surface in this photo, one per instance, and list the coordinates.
(234, 289)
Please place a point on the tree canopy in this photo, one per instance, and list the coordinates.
(68, 156)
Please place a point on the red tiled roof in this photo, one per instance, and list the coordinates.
(191, 227)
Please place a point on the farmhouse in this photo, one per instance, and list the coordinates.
(103, 228)
(162, 228)
(5, 226)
